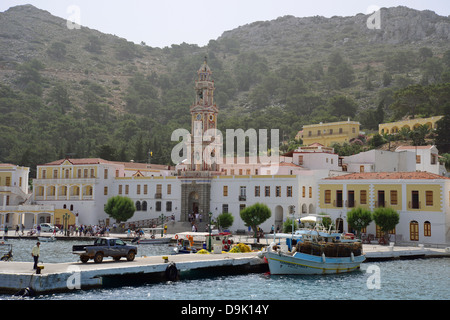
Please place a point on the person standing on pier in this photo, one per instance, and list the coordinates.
(35, 254)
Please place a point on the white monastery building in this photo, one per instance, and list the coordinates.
(310, 180)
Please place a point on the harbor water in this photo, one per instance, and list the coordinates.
(419, 279)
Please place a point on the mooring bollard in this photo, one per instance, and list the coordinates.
(39, 269)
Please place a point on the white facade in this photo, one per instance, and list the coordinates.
(380, 161)
(426, 158)
(233, 193)
(152, 196)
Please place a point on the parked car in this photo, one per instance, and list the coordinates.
(47, 227)
(105, 247)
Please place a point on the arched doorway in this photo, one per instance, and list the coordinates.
(193, 202)
(414, 231)
(279, 217)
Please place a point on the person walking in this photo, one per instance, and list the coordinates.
(35, 252)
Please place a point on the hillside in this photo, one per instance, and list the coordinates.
(86, 93)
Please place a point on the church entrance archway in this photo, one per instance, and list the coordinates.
(193, 202)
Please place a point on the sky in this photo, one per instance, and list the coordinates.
(161, 23)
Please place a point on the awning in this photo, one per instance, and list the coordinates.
(308, 219)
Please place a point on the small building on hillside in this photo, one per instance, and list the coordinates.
(411, 124)
(329, 133)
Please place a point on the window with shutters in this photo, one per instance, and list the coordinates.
(429, 198)
(327, 196)
(277, 191)
(394, 200)
(363, 197)
(289, 191)
(267, 191)
(427, 229)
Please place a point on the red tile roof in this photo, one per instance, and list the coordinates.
(388, 175)
(127, 165)
(77, 161)
(414, 147)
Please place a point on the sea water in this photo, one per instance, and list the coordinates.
(419, 279)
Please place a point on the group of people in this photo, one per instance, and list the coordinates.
(84, 230)
(195, 217)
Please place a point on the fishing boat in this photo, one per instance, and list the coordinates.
(314, 252)
(151, 236)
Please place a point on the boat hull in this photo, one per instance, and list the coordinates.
(46, 239)
(301, 263)
(154, 241)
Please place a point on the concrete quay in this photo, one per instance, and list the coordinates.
(62, 277)
(375, 252)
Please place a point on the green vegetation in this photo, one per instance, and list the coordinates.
(225, 220)
(95, 95)
(254, 215)
(120, 208)
(359, 219)
(386, 219)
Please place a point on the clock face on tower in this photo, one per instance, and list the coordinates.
(198, 117)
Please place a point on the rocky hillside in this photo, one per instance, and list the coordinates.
(399, 25)
(103, 95)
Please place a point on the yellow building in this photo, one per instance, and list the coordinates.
(421, 198)
(15, 205)
(329, 133)
(394, 127)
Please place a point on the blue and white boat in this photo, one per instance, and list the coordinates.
(315, 252)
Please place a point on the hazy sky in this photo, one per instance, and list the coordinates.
(163, 23)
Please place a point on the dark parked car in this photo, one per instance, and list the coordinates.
(105, 247)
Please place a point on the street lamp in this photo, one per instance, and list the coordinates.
(209, 244)
(66, 223)
(162, 224)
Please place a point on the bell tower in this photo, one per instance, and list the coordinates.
(205, 150)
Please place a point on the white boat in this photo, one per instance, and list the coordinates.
(47, 239)
(155, 240)
(151, 236)
(315, 252)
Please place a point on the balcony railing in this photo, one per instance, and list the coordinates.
(242, 198)
(65, 181)
(414, 205)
